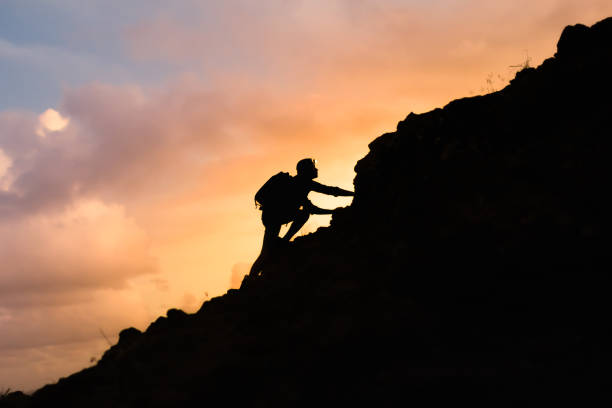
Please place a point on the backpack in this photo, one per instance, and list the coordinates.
(276, 192)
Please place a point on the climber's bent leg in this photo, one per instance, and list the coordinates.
(298, 222)
(270, 237)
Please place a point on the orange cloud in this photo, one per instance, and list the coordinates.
(45, 253)
(64, 277)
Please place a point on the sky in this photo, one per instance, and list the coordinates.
(134, 135)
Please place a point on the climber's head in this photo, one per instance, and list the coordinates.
(306, 168)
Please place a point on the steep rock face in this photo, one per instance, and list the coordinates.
(471, 266)
(522, 171)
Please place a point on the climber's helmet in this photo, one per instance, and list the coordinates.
(307, 168)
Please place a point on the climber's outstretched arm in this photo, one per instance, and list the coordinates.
(342, 192)
(335, 191)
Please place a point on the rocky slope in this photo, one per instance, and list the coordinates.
(471, 267)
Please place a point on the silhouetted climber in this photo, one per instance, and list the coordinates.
(283, 199)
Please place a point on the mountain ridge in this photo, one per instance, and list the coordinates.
(467, 269)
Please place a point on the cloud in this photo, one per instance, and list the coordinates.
(51, 121)
(65, 275)
(127, 143)
(5, 164)
(325, 46)
(120, 141)
(90, 245)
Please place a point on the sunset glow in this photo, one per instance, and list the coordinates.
(132, 192)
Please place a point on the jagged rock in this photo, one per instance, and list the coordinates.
(128, 336)
(573, 40)
(160, 324)
(176, 317)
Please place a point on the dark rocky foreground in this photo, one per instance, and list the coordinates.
(471, 268)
